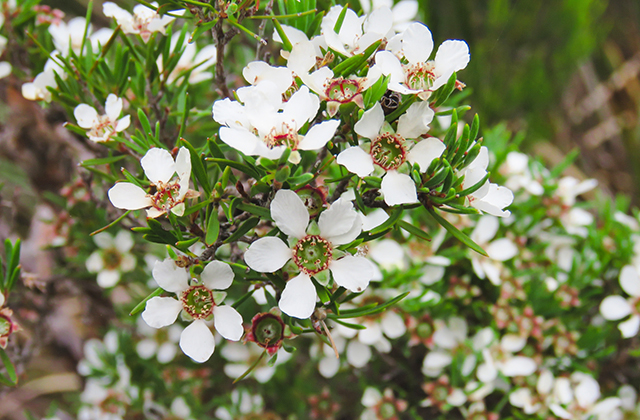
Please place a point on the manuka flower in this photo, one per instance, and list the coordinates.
(169, 195)
(259, 127)
(112, 258)
(419, 76)
(102, 127)
(390, 150)
(356, 33)
(616, 307)
(143, 22)
(199, 301)
(312, 254)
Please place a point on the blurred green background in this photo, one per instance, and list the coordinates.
(564, 72)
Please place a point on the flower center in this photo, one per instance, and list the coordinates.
(312, 254)
(197, 301)
(420, 76)
(166, 196)
(342, 90)
(268, 330)
(388, 151)
(286, 136)
(111, 258)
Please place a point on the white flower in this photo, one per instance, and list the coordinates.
(499, 250)
(161, 344)
(5, 67)
(448, 338)
(616, 307)
(312, 254)
(198, 301)
(402, 13)
(259, 128)
(159, 168)
(569, 188)
(112, 258)
(499, 357)
(390, 150)
(420, 76)
(356, 34)
(578, 399)
(519, 176)
(197, 62)
(143, 22)
(490, 198)
(37, 89)
(102, 127)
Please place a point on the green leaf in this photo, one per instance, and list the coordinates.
(371, 310)
(184, 245)
(11, 370)
(457, 233)
(352, 64)
(286, 44)
(474, 187)
(140, 306)
(261, 212)
(445, 91)
(144, 122)
(237, 165)
(198, 167)
(414, 230)
(566, 162)
(102, 161)
(391, 221)
(213, 227)
(242, 229)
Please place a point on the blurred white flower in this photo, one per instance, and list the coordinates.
(102, 127)
(112, 257)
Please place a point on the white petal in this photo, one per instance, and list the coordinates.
(217, 275)
(183, 164)
(486, 228)
(290, 213)
(371, 334)
(371, 122)
(5, 69)
(228, 322)
(452, 55)
(125, 195)
(104, 240)
(298, 297)
(158, 165)
(356, 161)
(502, 249)
(425, 151)
(587, 392)
(85, 115)
(161, 311)
(123, 123)
(197, 342)
(398, 188)
(629, 328)
(415, 122)
(349, 235)
(113, 107)
(94, 263)
(512, 343)
(496, 199)
(373, 219)
(519, 366)
(108, 278)
(358, 354)
(393, 325)
(560, 411)
(124, 241)
(301, 107)
(338, 219)
(371, 397)
(353, 273)
(486, 373)
(170, 277)
(435, 361)
(630, 280)
(319, 135)
(457, 397)
(267, 254)
(614, 307)
(328, 366)
(417, 43)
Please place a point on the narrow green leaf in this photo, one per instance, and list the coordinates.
(261, 212)
(213, 227)
(144, 122)
(198, 167)
(237, 165)
(414, 230)
(474, 187)
(457, 233)
(391, 221)
(368, 311)
(102, 161)
(242, 229)
(11, 370)
(184, 245)
(140, 306)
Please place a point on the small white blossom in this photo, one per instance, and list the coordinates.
(143, 22)
(112, 258)
(390, 151)
(616, 307)
(102, 127)
(159, 168)
(312, 254)
(200, 301)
